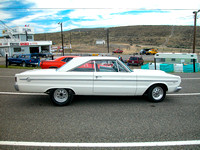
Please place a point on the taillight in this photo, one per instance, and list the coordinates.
(41, 63)
(30, 61)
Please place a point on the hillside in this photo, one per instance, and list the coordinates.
(153, 36)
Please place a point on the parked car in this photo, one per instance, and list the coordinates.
(152, 52)
(118, 51)
(42, 55)
(143, 51)
(24, 59)
(148, 51)
(97, 76)
(135, 60)
(57, 63)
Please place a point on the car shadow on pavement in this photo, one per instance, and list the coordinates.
(108, 100)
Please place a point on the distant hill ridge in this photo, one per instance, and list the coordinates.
(170, 36)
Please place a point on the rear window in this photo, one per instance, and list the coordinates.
(67, 59)
(133, 58)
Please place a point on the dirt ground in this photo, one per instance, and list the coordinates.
(83, 48)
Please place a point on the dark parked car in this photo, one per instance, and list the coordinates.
(24, 59)
(135, 60)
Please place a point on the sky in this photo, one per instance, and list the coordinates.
(44, 15)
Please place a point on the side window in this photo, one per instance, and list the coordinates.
(121, 68)
(87, 67)
(67, 59)
(106, 66)
(173, 59)
(109, 66)
(27, 57)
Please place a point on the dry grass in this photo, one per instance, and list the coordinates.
(164, 38)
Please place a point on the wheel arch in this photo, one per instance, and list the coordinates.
(160, 84)
(48, 91)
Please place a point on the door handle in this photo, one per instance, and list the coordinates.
(98, 77)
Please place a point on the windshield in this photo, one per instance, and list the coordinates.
(133, 58)
(126, 66)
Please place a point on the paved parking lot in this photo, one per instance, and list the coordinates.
(120, 122)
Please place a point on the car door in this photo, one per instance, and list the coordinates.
(16, 59)
(113, 78)
(81, 79)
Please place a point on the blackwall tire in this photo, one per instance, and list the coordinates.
(156, 93)
(61, 97)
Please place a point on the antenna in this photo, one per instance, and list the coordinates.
(9, 30)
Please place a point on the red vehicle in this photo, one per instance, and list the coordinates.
(118, 51)
(135, 60)
(57, 63)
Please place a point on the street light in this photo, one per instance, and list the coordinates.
(62, 37)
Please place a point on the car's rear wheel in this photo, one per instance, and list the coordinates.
(61, 97)
(156, 93)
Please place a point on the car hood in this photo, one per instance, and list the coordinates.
(149, 72)
(155, 74)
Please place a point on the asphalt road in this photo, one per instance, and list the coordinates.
(89, 119)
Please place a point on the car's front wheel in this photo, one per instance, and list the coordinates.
(61, 97)
(156, 93)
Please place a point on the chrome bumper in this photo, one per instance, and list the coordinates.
(16, 87)
(178, 89)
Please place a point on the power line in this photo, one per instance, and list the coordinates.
(153, 9)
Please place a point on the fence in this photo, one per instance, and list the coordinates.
(186, 68)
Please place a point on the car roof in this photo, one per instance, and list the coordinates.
(81, 60)
(62, 57)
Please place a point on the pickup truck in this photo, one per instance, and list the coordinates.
(24, 59)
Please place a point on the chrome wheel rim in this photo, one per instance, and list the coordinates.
(60, 95)
(157, 93)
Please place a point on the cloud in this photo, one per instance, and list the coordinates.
(4, 15)
(44, 14)
(123, 17)
(132, 4)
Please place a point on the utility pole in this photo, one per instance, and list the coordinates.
(194, 39)
(62, 37)
(195, 28)
(70, 41)
(26, 35)
(108, 39)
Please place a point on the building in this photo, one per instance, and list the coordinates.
(20, 40)
(100, 42)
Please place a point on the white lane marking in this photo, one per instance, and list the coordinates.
(7, 76)
(184, 94)
(17, 93)
(190, 78)
(125, 144)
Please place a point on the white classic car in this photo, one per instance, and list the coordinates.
(97, 76)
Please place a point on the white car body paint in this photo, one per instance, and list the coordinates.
(94, 83)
